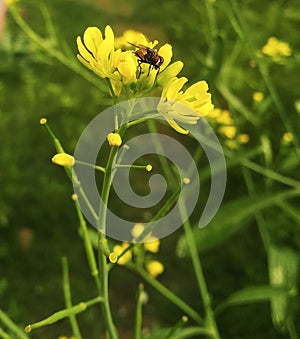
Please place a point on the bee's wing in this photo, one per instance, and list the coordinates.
(140, 46)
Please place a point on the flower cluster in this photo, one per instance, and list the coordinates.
(276, 49)
(227, 128)
(117, 60)
(150, 244)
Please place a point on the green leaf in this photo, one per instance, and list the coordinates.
(231, 218)
(251, 295)
(283, 272)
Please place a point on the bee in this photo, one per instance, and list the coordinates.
(149, 56)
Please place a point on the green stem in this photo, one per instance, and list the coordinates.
(68, 298)
(88, 245)
(138, 313)
(12, 326)
(50, 49)
(103, 265)
(211, 325)
(59, 315)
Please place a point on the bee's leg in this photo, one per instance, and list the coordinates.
(156, 75)
(139, 71)
(149, 70)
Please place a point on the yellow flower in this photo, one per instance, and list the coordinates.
(224, 118)
(155, 268)
(97, 53)
(63, 159)
(228, 131)
(243, 138)
(149, 168)
(151, 243)
(276, 49)
(258, 96)
(287, 137)
(119, 249)
(43, 121)
(114, 139)
(134, 37)
(173, 101)
(152, 246)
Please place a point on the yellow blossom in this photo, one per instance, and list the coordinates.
(276, 49)
(134, 37)
(63, 159)
(258, 96)
(243, 138)
(152, 246)
(224, 118)
(43, 121)
(228, 131)
(173, 102)
(149, 168)
(155, 268)
(74, 197)
(186, 181)
(151, 243)
(114, 139)
(287, 137)
(119, 249)
(97, 53)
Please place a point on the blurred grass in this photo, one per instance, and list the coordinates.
(37, 220)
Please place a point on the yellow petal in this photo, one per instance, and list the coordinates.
(82, 50)
(176, 127)
(169, 73)
(92, 39)
(173, 87)
(166, 52)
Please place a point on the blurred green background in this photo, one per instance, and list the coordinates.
(38, 222)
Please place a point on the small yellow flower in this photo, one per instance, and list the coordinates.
(224, 118)
(43, 121)
(63, 159)
(186, 181)
(149, 168)
(258, 96)
(276, 49)
(243, 138)
(155, 268)
(152, 246)
(173, 100)
(74, 197)
(228, 131)
(119, 249)
(114, 139)
(287, 137)
(135, 37)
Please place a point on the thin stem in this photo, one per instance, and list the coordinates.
(12, 326)
(209, 315)
(138, 313)
(49, 48)
(68, 298)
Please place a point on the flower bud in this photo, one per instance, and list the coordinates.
(63, 159)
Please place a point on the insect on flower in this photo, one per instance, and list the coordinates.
(149, 56)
